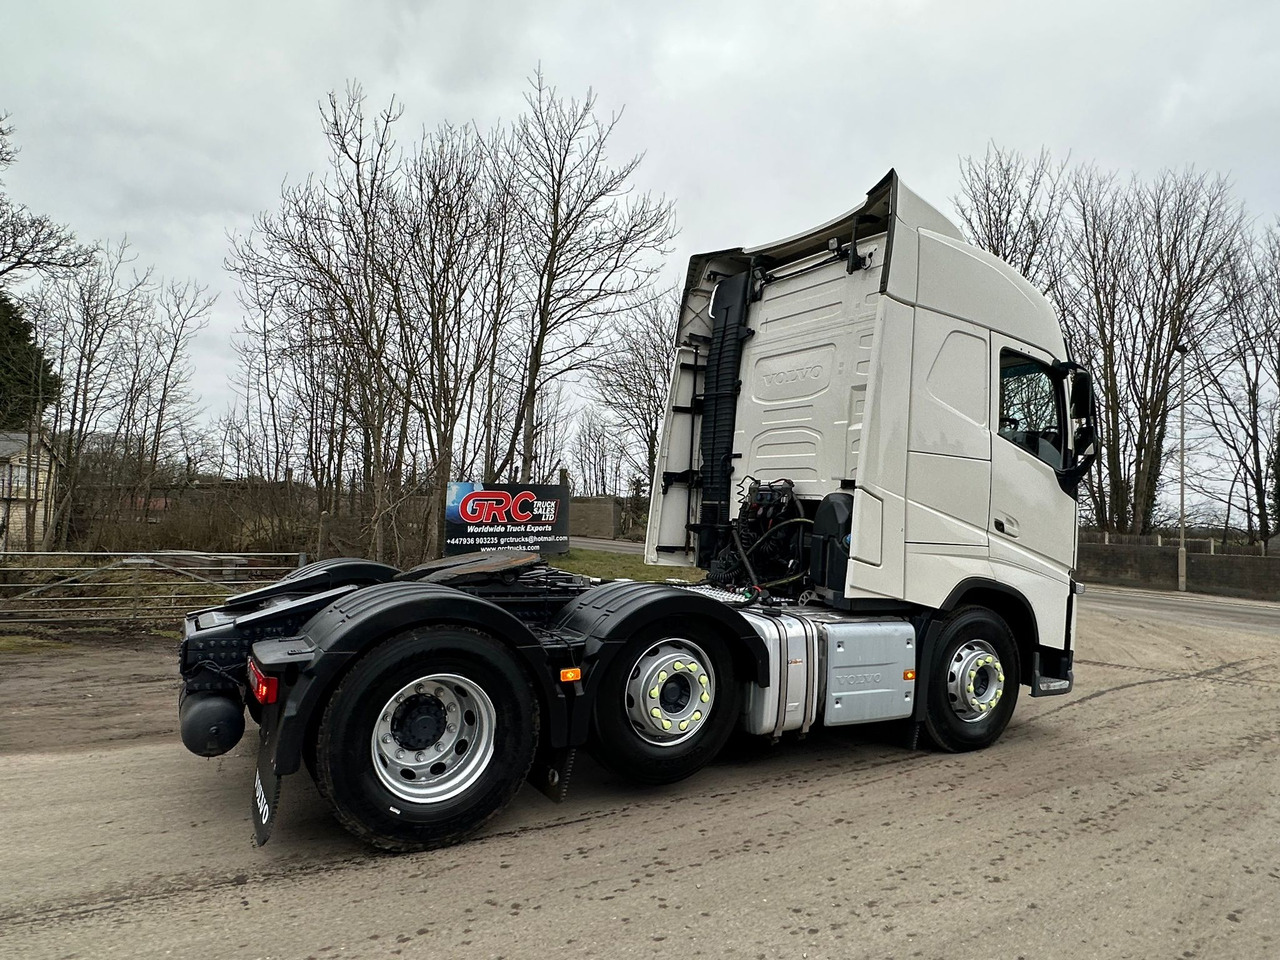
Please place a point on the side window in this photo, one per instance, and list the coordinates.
(1030, 412)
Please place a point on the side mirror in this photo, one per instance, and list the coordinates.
(1081, 395)
(1085, 438)
(1086, 454)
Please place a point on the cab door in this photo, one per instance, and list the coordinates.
(1033, 520)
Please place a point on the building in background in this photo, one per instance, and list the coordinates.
(28, 469)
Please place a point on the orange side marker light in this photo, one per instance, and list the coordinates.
(570, 674)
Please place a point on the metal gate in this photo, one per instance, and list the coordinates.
(155, 587)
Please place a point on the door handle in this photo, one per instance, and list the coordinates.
(1006, 525)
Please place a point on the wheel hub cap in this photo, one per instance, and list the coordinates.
(975, 680)
(670, 692)
(418, 722)
(433, 738)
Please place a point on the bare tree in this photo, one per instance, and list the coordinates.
(1239, 361)
(453, 239)
(329, 256)
(589, 241)
(1012, 205)
(123, 423)
(8, 151)
(597, 454)
(1189, 224)
(1099, 247)
(632, 375)
(31, 243)
(79, 318)
(552, 419)
(413, 317)
(1133, 269)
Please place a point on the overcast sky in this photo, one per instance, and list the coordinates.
(174, 123)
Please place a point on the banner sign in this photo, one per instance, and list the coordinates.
(506, 516)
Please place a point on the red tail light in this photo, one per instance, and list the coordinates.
(265, 689)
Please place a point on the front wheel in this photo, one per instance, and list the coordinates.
(426, 738)
(667, 705)
(972, 681)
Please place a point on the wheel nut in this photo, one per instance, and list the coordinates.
(453, 708)
(419, 756)
(452, 728)
(439, 748)
(386, 718)
(439, 691)
(386, 738)
(418, 689)
(399, 754)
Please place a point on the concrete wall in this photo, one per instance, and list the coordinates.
(1156, 568)
(595, 517)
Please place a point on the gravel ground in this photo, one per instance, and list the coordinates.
(1138, 817)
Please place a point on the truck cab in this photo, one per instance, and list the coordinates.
(918, 383)
(872, 446)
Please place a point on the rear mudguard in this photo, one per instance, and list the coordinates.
(588, 634)
(315, 578)
(310, 665)
(607, 617)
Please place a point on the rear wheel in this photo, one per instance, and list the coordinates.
(668, 702)
(973, 681)
(426, 738)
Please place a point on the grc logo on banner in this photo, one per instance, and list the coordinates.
(499, 506)
(473, 503)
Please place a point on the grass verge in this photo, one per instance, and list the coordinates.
(27, 643)
(630, 566)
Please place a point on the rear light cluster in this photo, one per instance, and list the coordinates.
(265, 689)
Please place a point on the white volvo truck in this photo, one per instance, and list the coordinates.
(873, 444)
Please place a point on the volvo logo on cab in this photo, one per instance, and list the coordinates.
(794, 375)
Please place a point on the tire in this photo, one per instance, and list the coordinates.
(682, 669)
(973, 681)
(458, 710)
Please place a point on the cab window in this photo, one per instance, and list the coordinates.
(1030, 409)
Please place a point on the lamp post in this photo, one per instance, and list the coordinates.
(1182, 466)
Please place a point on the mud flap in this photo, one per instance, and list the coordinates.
(551, 771)
(912, 735)
(266, 796)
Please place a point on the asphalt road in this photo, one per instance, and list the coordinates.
(1188, 608)
(609, 546)
(1138, 817)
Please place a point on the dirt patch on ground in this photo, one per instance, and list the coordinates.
(78, 689)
